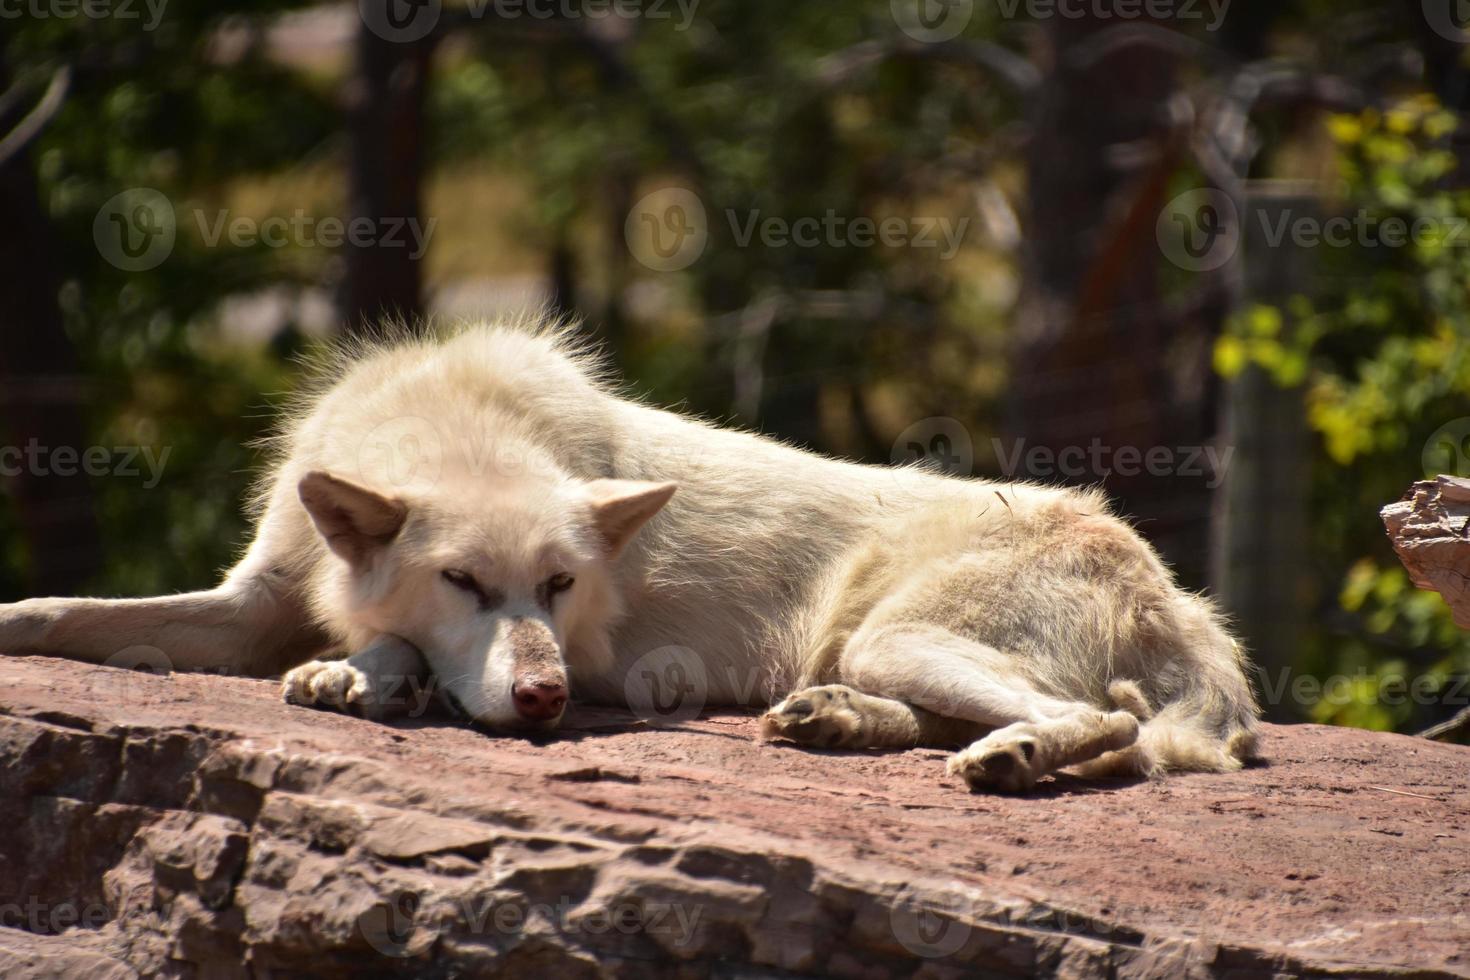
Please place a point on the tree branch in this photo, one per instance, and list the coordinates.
(36, 120)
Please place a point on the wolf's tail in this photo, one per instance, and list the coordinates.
(1211, 729)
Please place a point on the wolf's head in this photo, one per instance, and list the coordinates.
(500, 586)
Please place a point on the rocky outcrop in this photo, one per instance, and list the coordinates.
(1430, 531)
(193, 826)
(1428, 528)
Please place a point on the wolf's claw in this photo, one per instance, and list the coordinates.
(325, 683)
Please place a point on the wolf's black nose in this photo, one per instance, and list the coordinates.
(539, 700)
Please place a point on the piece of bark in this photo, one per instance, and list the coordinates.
(1429, 528)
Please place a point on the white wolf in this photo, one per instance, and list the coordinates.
(485, 508)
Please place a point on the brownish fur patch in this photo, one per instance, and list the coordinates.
(536, 655)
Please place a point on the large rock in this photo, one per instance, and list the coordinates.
(192, 825)
(1428, 530)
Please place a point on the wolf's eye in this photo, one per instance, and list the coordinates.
(461, 580)
(487, 598)
(559, 582)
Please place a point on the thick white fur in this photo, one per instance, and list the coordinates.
(957, 607)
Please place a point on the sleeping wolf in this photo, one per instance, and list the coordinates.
(486, 510)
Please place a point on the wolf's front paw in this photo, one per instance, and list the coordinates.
(326, 683)
(1005, 761)
(828, 717)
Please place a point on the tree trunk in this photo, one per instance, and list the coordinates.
(42, 395)
(1102, 369)
(386, 124)
(1261, 549)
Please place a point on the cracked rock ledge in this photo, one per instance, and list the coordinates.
(193, 826)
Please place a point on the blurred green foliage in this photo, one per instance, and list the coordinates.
(1382, 352)
(158, 109)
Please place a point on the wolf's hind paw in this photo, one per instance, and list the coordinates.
(1004, 764)
(325, 683)
(827, 717)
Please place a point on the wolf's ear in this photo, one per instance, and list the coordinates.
(352, 519)
(621, 507)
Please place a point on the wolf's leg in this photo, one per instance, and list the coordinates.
(253, 623)
(958, 678)
(835, 716)
(386, 679)
(1013, 758)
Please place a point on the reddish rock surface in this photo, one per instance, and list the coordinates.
(192, 825)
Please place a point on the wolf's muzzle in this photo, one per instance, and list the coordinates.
(540, 688)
